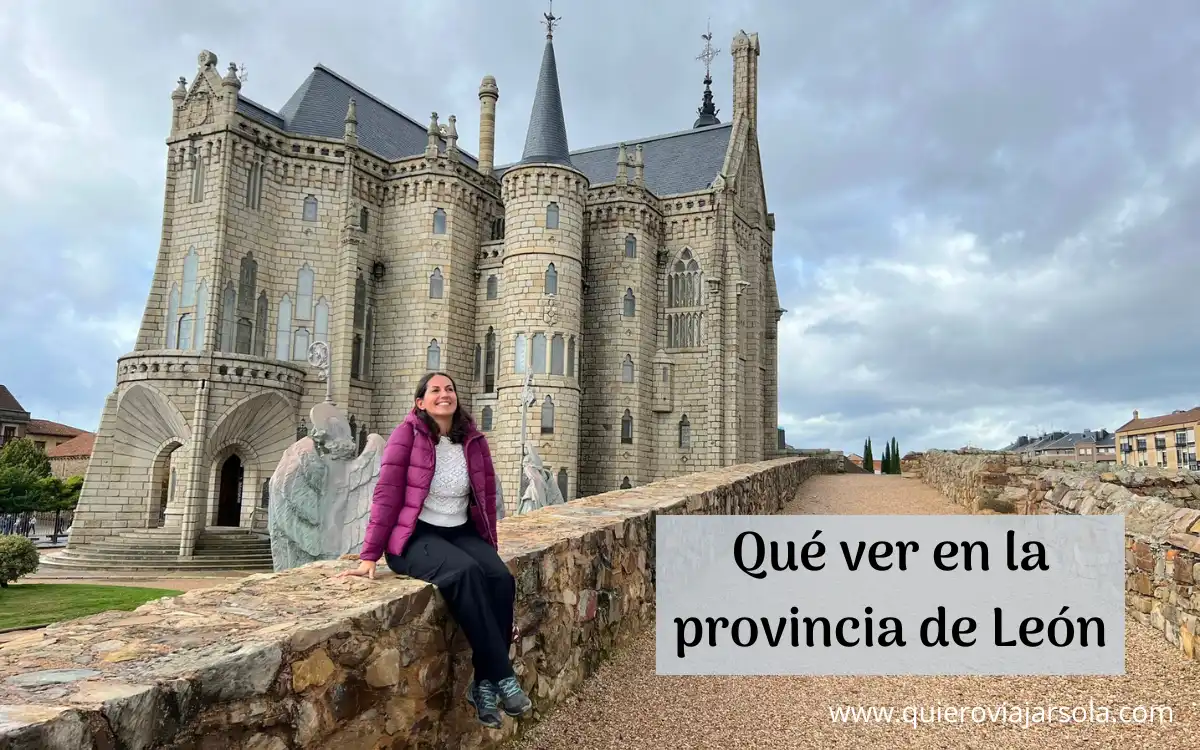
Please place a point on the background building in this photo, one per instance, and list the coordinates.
(1167, 441)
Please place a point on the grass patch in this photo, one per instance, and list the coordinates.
(27, 605)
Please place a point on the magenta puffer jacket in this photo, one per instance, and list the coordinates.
(405, 475)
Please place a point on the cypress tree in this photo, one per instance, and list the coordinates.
(895, 456)
(868, 459)
(885, 465)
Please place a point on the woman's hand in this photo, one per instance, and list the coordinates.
(365, 568)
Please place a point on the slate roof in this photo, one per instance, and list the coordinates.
(546, 139)
(680, 162)
(9, 403)
(318, 108)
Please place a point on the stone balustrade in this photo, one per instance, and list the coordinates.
(303, 660)
(169, 365)
(1161, 510)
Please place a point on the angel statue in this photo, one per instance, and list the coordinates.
(540, 488)
(321, 490)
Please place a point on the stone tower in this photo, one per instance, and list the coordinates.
(544, 202)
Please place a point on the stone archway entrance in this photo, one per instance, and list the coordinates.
(229, 492)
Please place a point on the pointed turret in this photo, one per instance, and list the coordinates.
(546, 141)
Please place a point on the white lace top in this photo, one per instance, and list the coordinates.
(449, 491)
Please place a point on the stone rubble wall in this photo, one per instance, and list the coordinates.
(301, 660)
(1161, 510)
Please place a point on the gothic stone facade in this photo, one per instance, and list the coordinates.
(633, 281)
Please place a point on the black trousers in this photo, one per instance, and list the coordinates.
(476, 584)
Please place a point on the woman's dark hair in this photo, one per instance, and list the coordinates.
(460, 423)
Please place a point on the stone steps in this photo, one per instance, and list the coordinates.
(157, 550)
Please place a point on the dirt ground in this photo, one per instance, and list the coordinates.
(626, 706)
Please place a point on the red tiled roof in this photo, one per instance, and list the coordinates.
(8, 402)
(56, 429)
(1166, 420)
(80, 445)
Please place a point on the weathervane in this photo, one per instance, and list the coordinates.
(551, 21)
(709, 51)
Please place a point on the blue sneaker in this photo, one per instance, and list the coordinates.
(483, 696)
(513, 697)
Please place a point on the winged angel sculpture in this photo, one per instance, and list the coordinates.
(321, 490)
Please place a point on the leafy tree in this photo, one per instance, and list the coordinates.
(21, 490)
(18, 557)
(23, 453)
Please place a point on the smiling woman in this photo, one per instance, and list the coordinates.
(433, 517)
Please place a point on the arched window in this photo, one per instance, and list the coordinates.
(683, 283)
(201, 313)
(571, 357)
(557, 354)
(627, 427)
(229, 319)
(489, 361)
(492, 284)
(247, 283)
(478, 373)
(283, 334)
(551, 279)
(439, 221)
(433, 356)
(260, 326)
(364, 216)
(539, 353)
(172, 311)
(321, 321)
(630, 246)
(519, 356)
(485, 419)
(304, 294)
(548, 416)
(435, 284)
(191, 265)
(310, 208)
(184, 333)
(303, 339)
(562, 482)
(625, 484)
(685, 432)
(198, 166)
(627, 369)
(552, 216)
(630, 304)
(254, 178)
(666, 374)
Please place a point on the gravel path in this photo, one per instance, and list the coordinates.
(626, 706)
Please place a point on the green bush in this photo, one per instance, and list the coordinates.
(18, 557)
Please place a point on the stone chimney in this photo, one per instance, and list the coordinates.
(1135, 413)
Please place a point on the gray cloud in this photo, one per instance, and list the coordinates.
(985, 210)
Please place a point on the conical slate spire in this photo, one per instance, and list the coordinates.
(546, 140)
(708, 110)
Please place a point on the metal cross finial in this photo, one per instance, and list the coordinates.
(709, 51)
(318, 357)
(551, 21)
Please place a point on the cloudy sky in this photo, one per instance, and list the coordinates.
(987, 212)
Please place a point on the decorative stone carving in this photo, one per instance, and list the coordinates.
(540, 488)
(321, 492)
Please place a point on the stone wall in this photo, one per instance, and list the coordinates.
(1161, 510)
(299, 659)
